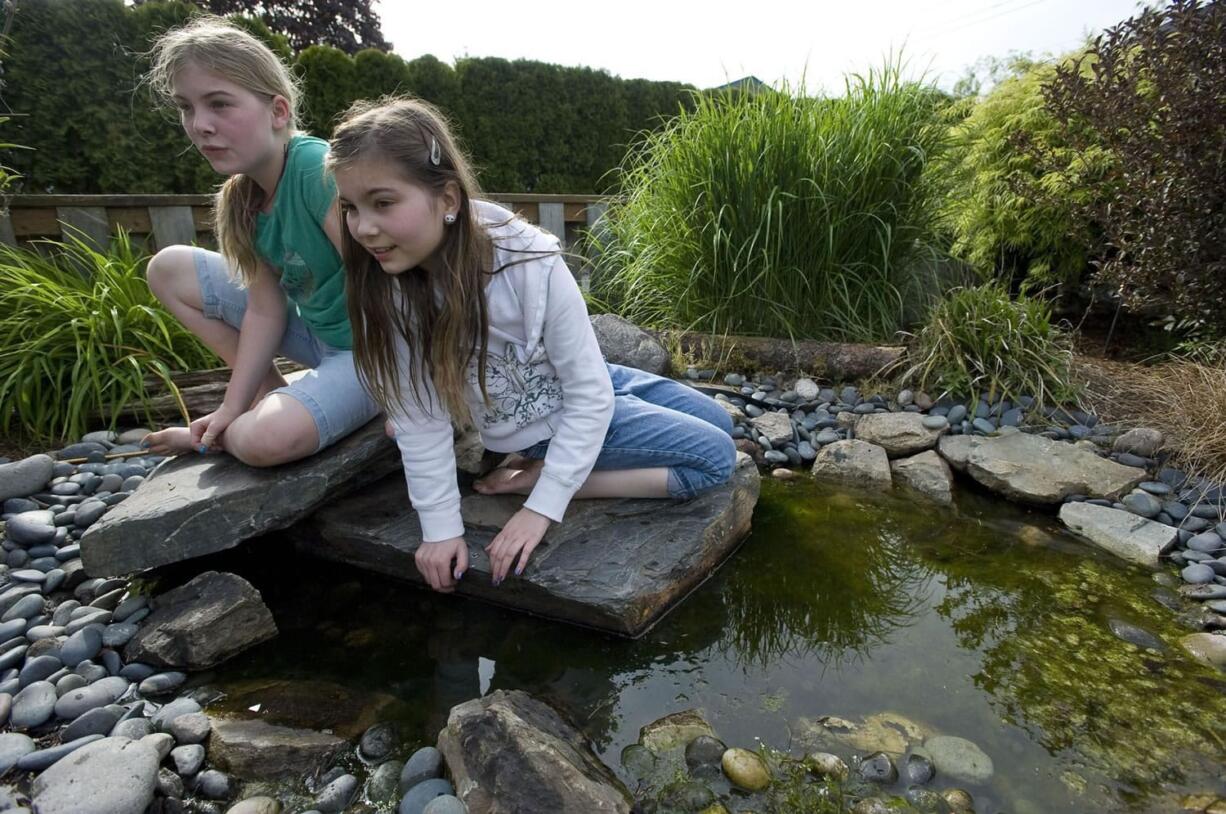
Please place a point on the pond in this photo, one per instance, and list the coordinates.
(985, 621)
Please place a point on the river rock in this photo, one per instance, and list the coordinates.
(200, 504)
(745, 769)
(12, 747)
(899, 434)
(624, 343)
(777, 427)
(1037, 470)
(257, 750)
(854, 462)
(383, 785)
(33, 705)
(675, 730)
(256, 805)
(377, 742)
(446, 804)
(1209, 648)
(191, 728)
(25, 477)
(188, 759)
(1121, 532)
(651, 553)
(116, 776)
(337, 795)
(492, 743)
(202, 623)
(423, 794)
(926, 473)
(1142, 441)
(30, 529)
(959, 758)
(424, 764)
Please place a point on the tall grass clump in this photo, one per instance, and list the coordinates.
(982, 342)
(79, 333)
(777, 214)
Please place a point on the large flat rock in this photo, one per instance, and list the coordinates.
(617, 565)
(1122, 533)
(1033, 469)
(195, 505)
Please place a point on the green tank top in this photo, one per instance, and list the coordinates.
(292, 240)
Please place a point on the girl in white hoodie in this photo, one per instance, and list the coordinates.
(461, 311)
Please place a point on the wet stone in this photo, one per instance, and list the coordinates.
(337, 795)
(445, 804)
(1197, 574)
(214, 785)
(188, 759)
(419, 796)
(191, 728)
(424, 764)
(1208, 542)
(704, 751)
(33, 705)
(918, 769)
(162, 683)
(878, 768)
(1143, 504)
(1128, 632)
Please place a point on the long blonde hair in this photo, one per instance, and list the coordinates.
(444, 334)
(223, 49)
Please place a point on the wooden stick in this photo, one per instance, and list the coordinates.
(111, 457)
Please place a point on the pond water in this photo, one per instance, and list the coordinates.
(984, 621)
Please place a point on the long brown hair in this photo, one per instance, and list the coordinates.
(442, 318)
(220, 48)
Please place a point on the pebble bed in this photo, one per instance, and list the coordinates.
(65, 686)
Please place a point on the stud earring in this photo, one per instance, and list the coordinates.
(449, 219)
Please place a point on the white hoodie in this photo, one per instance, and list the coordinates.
(545, 376)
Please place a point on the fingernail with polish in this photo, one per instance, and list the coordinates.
(519, 571)
(459, 574)
(202, 449)
(144, 445)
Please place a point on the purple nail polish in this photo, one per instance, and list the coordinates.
(519, 571)
(459, 574)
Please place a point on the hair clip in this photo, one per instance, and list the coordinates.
(436, 156)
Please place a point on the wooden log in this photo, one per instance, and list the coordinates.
(831, 361)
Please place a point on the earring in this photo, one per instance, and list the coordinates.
(449, 219)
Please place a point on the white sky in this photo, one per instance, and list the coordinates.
(708, 43)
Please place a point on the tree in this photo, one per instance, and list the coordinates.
(349, 25)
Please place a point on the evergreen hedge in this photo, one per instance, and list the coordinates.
(72, 77)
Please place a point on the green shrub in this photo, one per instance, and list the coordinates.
(1008, 214)
(981, 341)
(778, 214)
(79, 333)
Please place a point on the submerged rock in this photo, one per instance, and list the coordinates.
(745, 769)
(258, 750)
(675, 730)
(959, 758)
(926, 473)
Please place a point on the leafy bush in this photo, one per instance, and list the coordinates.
(1154, 96)
(981, 341)
(79, 333)
(1009, 214)
(777, 214)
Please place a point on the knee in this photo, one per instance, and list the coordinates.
(261, 446)
(167, 268)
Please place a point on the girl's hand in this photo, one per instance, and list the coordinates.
(206, 431)
(523, 532)
(434, 562)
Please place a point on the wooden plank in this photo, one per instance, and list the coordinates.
(132, 219)
(553, 220)
(35, 201)
(86, 222)
(7, 236)
(573, 211)
(595, 212)
(28, 223)
(202, 216)
(172, 225)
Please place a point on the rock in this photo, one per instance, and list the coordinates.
(959, 800)
(880, 732)
(825, 764)
(445, 804)
(1122, 533)
(169, 784)
(200, 504)
(899, 434)
(745, 769)
(383, 786)
(959, 758)
(161, 683)
(25, 477)
(1209, 648)
(214, 785)
(98, 694)
(255, 805)
(164, 717)
(704, 751)
(854, 462)
(652, 553)
(1143, 504)
(1128, 632)
(201, 624)
(188, 759)
(878, 768)
(423, 794)
(1037, 470)
(926, 473)
(98, 721)
(777, 427)
(830, 360)
(424, 764)
(190, 728)
(115, 775)
(30, 529)
(13, 746)
(492, 743)
(377, 742)
(918, 769)
(675, 730)
(258, 750)
(337, 795)
(624, 343)
(1142, 442)
(43, 758)
(806, 389)
(80, 646)
(33, 705)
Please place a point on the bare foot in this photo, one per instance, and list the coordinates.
(516, 476)
(171, 441)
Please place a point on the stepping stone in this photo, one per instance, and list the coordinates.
(201, 504)
(618, 565)
(1037, 470)
(1122, 533)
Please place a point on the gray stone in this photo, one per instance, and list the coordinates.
(115, 775)
(1142, 503)
(255, 805)
(1207, 541)
(201, 504)
(98, 721)
(384, 782)
(30, 529)
(1128, 632)
(336, 796)
(191, 728)
(258, 750)
(417, 798)
(926, 473)
(445, 804)
(167, 714)
(12, 747)
(25, 477)
(899, 434)
(490, 744)
(624, 343)
(959, 758)
(102, 692)
(806, 389)
(777, 427)
(854, 462)
(202, 623)
(653, 553)
(955, 449)
(1142, 442)
(1122, 533)
(82, 645)
(214, 785)
(33, 705)
(169, 784)
(132, 728)
(1197, 574)
(161, 683)
(188, 759)
(159, 742)
(40, 760)
(424, 764)
(1037, 470)
(1209, 648)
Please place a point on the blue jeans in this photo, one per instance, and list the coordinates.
(659, 422)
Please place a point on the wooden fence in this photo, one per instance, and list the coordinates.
(156, 221)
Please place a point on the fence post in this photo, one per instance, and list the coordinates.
(553, 220)
(88, 223)
(172, 225)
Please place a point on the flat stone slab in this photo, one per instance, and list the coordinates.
(195, 505)
(1122, 533)
(1033, 469)
(617, 565)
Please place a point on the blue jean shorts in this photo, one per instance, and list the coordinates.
(330, 391)
(660, 422)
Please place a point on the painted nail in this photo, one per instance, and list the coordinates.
(497, 582)
(519, 571)
(144, 445)
(202, 449)
(459, 574)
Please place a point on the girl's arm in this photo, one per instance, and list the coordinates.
(258, 337)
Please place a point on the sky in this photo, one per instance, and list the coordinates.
(715, 41)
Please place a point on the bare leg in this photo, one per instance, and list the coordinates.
(519, 476)
(276, 431)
